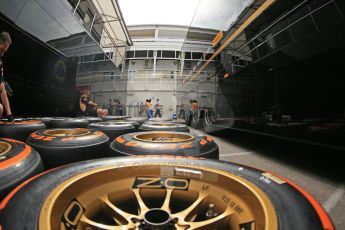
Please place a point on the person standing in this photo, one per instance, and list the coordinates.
(195, 106)
(148, 108)
(120, 108)
(5, 42)
(110, 107)
(189, 112)
(158, 109)
(151, 108)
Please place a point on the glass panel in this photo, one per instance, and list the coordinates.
(140, 53)
(168, 54)
(188, 55)
(197, 55)
(130, 54)
(53, 22)
(11, 8)
(150, 53)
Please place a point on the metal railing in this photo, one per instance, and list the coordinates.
(266, 46)
(89, 28)
(133, 110)
(102, 76)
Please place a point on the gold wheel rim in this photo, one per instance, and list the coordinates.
(163, 137)
(4, 148)
(126, 196)
(67, 132)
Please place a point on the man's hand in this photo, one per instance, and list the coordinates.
(92, 103)
(10, 118)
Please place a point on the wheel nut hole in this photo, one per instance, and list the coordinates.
(157, 217)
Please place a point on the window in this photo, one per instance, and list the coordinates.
(88, 58)
(150, 53)
(130, 54)
(99, 57)
(188, 55)
(208, 56)
(168, 54)
(141, 54)
(188, 64)
(197, 56)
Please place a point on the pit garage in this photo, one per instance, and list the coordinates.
(172, 115)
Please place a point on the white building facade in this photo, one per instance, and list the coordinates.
(158, 65)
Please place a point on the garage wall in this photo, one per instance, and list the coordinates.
(42, 79)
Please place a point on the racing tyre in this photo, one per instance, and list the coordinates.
(45, 120)
(63, 146)
(18, 162)
(160, 193)
(67, 123)
(20, 129)
(113, 129)
(160, 119)
(92, 119)
(140, 120)
(114, 118)
(166, 126)
(134, 123)
(164, 143)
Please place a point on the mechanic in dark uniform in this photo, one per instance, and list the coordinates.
(88, 107)
(5, 42)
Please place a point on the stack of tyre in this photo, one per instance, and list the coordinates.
(129, 173)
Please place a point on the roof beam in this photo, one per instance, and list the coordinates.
(236, 33)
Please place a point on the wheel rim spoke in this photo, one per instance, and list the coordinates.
(191, 209)
(119, 215)
(169, 201)
(86, 222)
(213, 222)
(166, 204)
(142, 206)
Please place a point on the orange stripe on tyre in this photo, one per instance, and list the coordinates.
(12, 140)
(98, 134)
(187, 145)
(7, 199)
(167, 156)
(21, 122)
(36, 136)
(209, 139)
(67, 139)
(168, 146)
(203, 142)
(120, 140)
(132, 143)
(48, 138)
(16, 159)
(325, 220)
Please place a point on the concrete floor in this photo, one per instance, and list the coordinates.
(318, 171)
